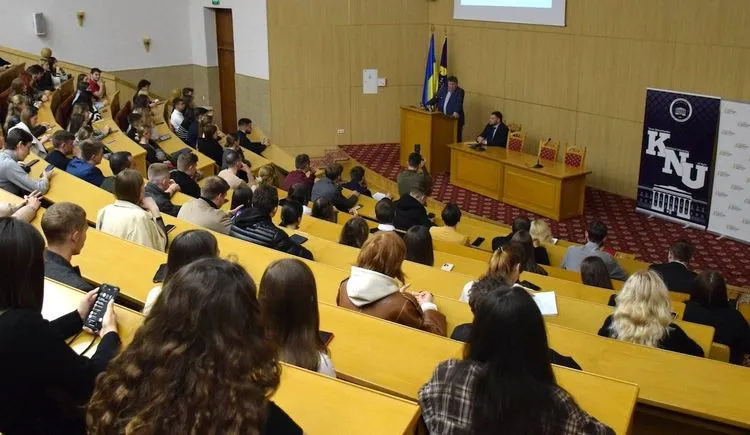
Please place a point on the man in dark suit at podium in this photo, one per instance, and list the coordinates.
(495, 134)
(450, 101)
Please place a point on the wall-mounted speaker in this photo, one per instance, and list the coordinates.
(40, 24)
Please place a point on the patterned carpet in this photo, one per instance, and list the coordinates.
(629, 231)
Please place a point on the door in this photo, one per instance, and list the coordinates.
(225, 49)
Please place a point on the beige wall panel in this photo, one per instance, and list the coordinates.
(388, 12)
(543, 68)
(720, 22)
(254, 101)
(300, 13)
(310, 56)
(163, 80)
(713, 70)
(311, 116)
(615, 73)
(376, 118)
(478, 58)
(397, 51)
(653, 20)
(613, 152)
(542, 122)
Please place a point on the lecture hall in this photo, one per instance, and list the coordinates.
(384, 217)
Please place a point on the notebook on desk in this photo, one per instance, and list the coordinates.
(547, 303)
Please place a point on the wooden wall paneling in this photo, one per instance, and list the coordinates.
(376, 118)
(543, 68)
(393, 49)
(720, 71)
(543, 122)
(478, 57)
(653, 20)
(613, 147)
(388, 12)
(719, 22)
(615, 73)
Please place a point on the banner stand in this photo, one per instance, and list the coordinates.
(677, 156)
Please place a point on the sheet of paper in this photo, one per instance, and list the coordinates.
(377, 196)
(546, 302)
(369, 81)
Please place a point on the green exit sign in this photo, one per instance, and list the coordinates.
(215, 2)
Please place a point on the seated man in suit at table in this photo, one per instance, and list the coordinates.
(450, 101)
(495, 134)
(676, 272)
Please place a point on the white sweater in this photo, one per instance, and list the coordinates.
(130, 222)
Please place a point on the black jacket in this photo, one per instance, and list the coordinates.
(59, 269)
(162, 199)
(256, 227)
(541, 256)
(462, 333)
(494, 138)
(731, 328)
(187, 184)
(676, 276)
(245, 142)
(58, 159)
(44, 382)
(676, 340)
(212, 149)
(410, 212)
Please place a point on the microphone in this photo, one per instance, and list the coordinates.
(538, 164)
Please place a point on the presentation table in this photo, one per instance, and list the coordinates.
(555, 190)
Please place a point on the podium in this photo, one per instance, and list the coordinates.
(433, 131)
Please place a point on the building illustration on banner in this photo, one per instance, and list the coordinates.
(679, 137)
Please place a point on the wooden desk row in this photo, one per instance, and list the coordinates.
(355, 337)
(326, 276)
(338, 406)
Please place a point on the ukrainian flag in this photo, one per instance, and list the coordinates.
(430, 88)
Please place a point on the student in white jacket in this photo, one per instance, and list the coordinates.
(289, 303)
(29, 118)
(133, 216)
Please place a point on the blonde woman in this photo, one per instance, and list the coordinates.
(541, 234)
(267, 175)
(643, 315)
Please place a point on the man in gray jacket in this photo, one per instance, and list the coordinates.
(595, 236)
(328, 187)
(13, 176)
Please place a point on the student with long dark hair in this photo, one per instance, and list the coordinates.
(323, 209)
(419, 245)
(200, 363)
(523, 239)
(709, 305)
(44, 382)
(289, 303)
(291, 214)
(187, 247)
(594, 273)
(354, 232)
(242, 196)
(505, 380)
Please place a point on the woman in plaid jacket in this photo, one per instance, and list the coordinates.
(505, 383)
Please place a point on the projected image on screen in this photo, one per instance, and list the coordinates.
(509, 3)
(547, 12)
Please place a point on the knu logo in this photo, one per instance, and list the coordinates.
(674, 164)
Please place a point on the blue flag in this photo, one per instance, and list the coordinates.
(443, 76)
(429, 90)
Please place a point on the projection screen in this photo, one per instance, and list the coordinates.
(545, 12)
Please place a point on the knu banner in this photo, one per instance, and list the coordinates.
(679, 139)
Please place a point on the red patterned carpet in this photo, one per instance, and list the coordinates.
(629, 231)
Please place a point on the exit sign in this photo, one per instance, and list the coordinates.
(215, 2)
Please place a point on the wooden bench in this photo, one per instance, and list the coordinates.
(411, 359)
(357, 409)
